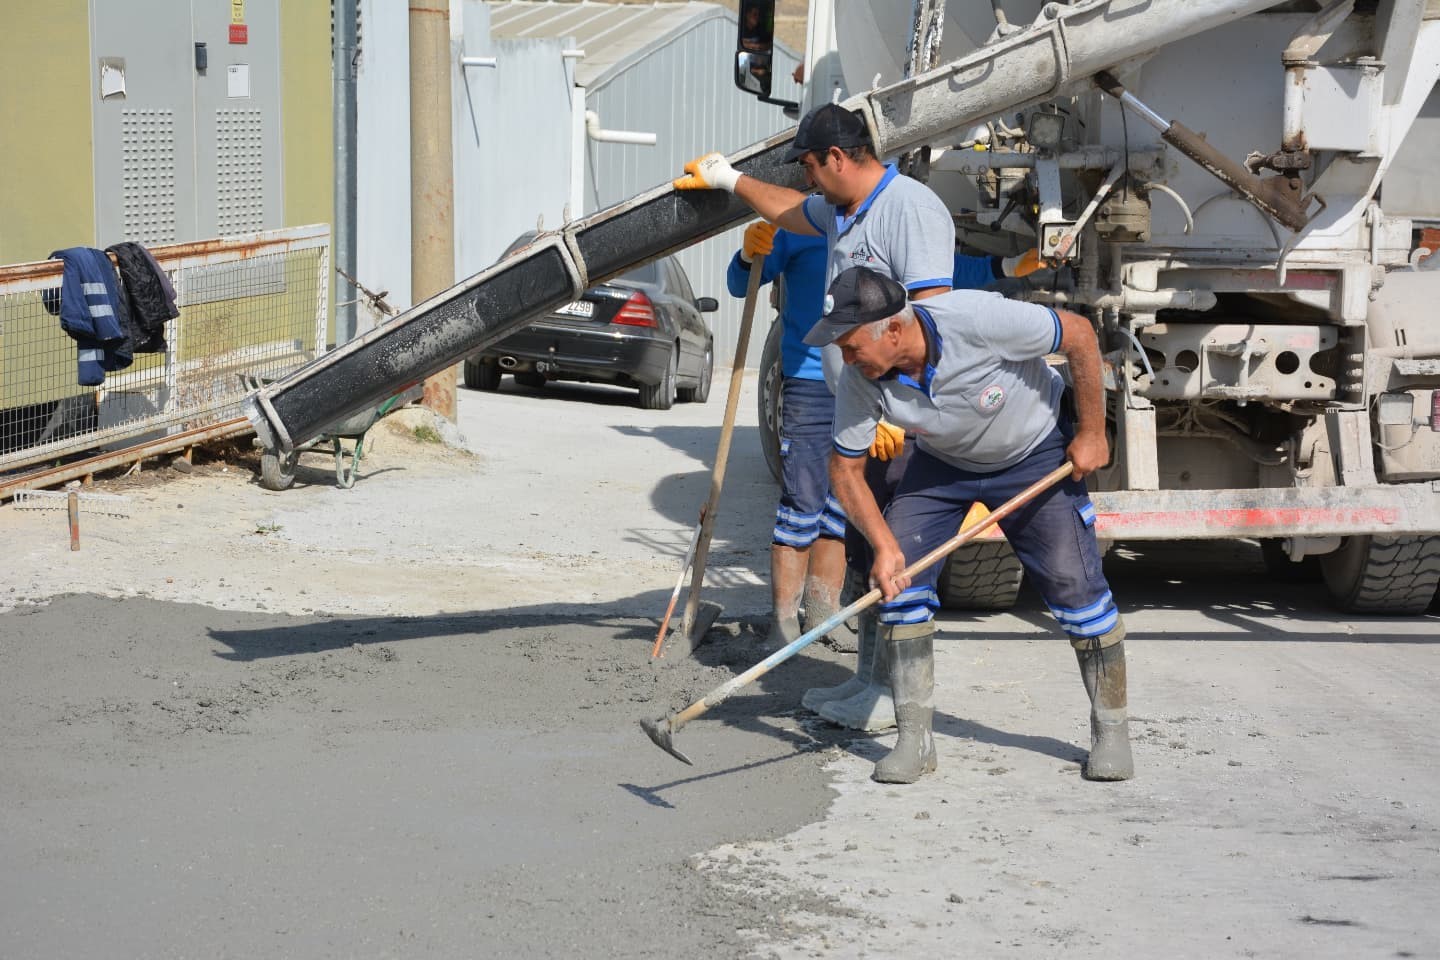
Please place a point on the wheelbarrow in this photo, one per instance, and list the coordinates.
(277, 470)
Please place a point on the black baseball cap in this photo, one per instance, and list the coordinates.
(827, 126)
(859, 295)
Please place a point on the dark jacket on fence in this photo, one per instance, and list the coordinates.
(93, 313)
(148, 294)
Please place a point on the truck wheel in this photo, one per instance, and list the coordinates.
(482, 375)
(981, 576)
(1397, 576)
(661, 396)
(771, 373)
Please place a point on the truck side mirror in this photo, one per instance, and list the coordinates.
(755, 47)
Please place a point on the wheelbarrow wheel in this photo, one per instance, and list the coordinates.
(277, 472)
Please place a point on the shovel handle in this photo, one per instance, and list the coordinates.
(721, 693)
(722, 452)
(680, 582)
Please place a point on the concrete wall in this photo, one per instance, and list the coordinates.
(49, 76)
(46, 200)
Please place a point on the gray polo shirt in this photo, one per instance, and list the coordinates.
(902, 230)
(986, 397)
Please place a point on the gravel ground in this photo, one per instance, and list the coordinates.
(399, 721)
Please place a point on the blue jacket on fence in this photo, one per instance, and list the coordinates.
(92, 312)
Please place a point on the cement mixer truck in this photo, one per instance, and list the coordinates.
(1244, 213)
(1236, 192)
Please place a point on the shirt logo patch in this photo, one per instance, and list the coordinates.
(862, 254)
(992, 396)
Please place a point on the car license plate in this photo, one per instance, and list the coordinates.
(578, 308)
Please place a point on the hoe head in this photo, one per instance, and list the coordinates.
(660, 731)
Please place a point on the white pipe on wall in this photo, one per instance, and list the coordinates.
(594, 132)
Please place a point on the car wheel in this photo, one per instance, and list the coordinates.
(769, 399)
(482, 375)
(661, 396)
(701, 392)
(530, 379)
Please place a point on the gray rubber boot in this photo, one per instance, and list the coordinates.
(912, 678)
(820, 604)
(870, 707)
(1102, 667)
(817, 697)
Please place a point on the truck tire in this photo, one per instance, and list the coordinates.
(768, 397)
(1395, 576)
(981, 576)
(482, 375)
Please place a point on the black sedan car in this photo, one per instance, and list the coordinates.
(643, 329)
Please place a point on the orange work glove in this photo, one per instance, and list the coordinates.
(1025, 264)
(759, 240)
(889, 441)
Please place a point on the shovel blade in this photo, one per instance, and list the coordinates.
(663, 736)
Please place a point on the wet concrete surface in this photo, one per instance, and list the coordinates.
(183, 781)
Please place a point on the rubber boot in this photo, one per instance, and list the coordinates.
(817, 697)
(1102, 667)
(823, 595)
(870, 707)
(912, 679)
(787, 582)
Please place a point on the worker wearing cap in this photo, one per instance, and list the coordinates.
(809, 545)
(965, 373)
(869, 214)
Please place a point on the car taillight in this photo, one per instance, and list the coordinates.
(638, 311)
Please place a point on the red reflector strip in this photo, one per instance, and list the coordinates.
(1220, 523)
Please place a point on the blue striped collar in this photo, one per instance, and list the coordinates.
(844, 223)
(934, 344)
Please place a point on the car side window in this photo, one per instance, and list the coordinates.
(679, 282)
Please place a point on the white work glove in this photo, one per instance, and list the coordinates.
(710, 172)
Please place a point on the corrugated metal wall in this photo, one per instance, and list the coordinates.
(382, 154)
(511, 141)
(683, 91)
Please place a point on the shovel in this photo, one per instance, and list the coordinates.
(663, 729)
(697, 620)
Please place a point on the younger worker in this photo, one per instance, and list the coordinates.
(868, 213)
(965, 373)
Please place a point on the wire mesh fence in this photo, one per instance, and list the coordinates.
(251, 308)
